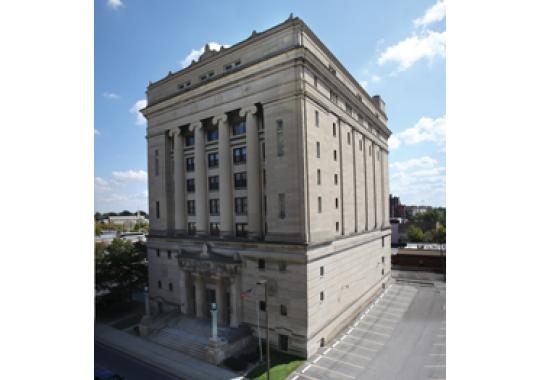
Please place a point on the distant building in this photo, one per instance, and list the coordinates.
(128, 221)
(397, 210)
(414, 210)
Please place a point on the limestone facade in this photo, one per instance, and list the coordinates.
(267, 160)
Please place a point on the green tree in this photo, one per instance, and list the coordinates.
(97, 229)
(415, 234)
(141, 226)
(439, 235)
(126, 213)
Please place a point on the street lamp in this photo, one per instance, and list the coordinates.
(263, 282)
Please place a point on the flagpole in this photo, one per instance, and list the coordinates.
(259, 331)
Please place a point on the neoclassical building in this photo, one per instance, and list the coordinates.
(267, 160)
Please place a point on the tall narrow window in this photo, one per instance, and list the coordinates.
(334, 131)
(349, 138)
(335, 179)
(156, 162)
(282, 206)
(337, 226)
(321, 271)
(321, 296)
(319, 203)
(337, 202)
(318, 176)
(316, 118)
(279, 138)
(318, 149)
(157, 209)
(335, 155)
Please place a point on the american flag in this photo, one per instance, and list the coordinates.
(246, 294)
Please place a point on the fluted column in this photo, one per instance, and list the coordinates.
(179, 181)
(235, 301)
(200, 296)
(225, 176)
(201, 188)
(221, 302)
(185, 289)
(253, 175)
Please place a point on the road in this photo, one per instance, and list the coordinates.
(124, 365)
(402, 335)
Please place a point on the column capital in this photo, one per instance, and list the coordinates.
(194, 126)
(174, 131)
(251, 109)
(219, 119)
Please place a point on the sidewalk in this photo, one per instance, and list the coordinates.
(173, 362)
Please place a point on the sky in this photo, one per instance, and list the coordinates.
(396, 49)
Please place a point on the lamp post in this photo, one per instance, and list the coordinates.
(263, 282)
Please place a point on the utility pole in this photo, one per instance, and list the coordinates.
(264, 282)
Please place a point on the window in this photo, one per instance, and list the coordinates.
(316, 118)
(264, 151)
(382, 259)
(321, 296)
(157, 210)
(190, 164)
(282, 266)
(349, 138)
(382, 242)
(156, 162)
(283, 310)
(332, 70)
(382, 272)
(170, 287)
(262, 264)
(279, 138)
(335, 179)
(241, 229)
(334, 131)
(169, 255)
(321, 271)
(159, 284)
(337, 203)
(262, 306)
(214, 206)
(157, 252)
(335, 155)
(333, 97)
(239, 155)
(319, 200)
(240, 206)
(206, 76)
(337, 226)
(213, 183)
(190, 139)
(281, 205)
(240, 180)
(322, 342)
(318, 176)
(213, 160)
(190, 185)
(191, 207)
(239, 128)
(212, 134)
(283, 342)
(228, 67)
(214, 229)
(184, 85)
(192, 229)
(318, 149)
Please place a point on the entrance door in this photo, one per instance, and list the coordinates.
(210, 299)
(283, 342)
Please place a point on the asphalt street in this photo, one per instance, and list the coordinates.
(402, 335)
(124, 365)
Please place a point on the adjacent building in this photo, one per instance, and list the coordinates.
(267, 160)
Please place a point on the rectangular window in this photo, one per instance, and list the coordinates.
(321, 296)
(191, 228)
(191, 207)
(382, 242)
(214, 206)
(319, 201)
(349, 138)
(281, 205)
(382, 259)
(239, 128)
(213, 183)
(282, 266)
(190, 185)
(334, 131)
(336, 179)
(262, 306)
(318, 149)
(279, 138)
(321, 271)
(337, 226)
(240, 206)
(190, 164)
(169, 254)
(212, 134)
(262, 264)
(283, 310)
(337, 203)
(159, 284)
(214, 229)
(241, 229)
(239, 155)
(335, 155)
(190, 139)
(213, 160)
(157, 210)
(157, 252)
(318, 176)
(170, 287)
(156, 162)
(333, 97)
(316, 118)
(240, 180)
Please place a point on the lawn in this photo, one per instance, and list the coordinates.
(281, 366)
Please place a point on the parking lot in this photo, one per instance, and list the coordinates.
(401, 335)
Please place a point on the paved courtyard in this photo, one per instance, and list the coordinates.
(402, 335)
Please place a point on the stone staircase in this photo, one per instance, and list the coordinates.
(179, 340)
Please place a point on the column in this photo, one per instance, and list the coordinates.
(201, 198)
(235, 301)
(200, 295)
(185, 293)
(179, 181)
(253, 176)
(225, 176)
(221, 301)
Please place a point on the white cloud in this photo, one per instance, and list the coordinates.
(422, 162)
(139, 105)
(425, 130)
(407, 52)
(130, 175)
(96, 132)
(195, 54)
(434, 14)
(364, 84)
(375, 78)
(115, 4)
(110, 95)
(101, 185)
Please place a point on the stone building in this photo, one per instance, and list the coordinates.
(267, 160)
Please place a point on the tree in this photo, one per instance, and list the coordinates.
(98, 216)
(439, 235)
(415, 234)
(126, 213)
(97, 229)
(141, 226)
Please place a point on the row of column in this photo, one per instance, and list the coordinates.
(225, 176)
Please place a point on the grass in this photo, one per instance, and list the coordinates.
(281, 366)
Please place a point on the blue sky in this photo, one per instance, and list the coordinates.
(393, 48)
